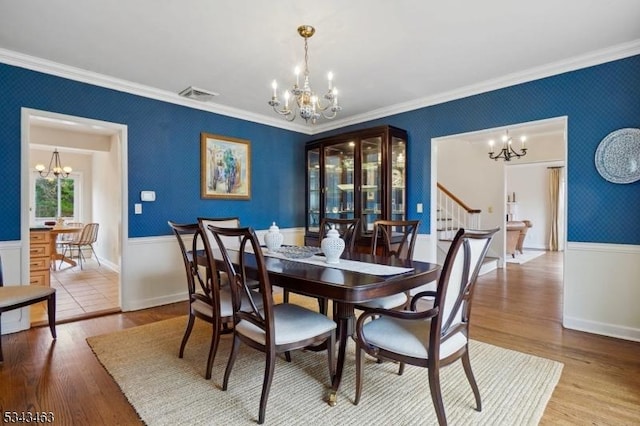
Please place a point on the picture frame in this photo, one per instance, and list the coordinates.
(225, 167)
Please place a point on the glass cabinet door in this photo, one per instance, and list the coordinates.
(339, 180)
(313, 190)
(372, 201)
(398, 178)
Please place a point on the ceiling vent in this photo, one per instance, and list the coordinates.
(198, 94)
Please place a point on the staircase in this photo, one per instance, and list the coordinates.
(453, 214)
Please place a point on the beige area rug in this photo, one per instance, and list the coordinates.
(166, 390)
(524, 257)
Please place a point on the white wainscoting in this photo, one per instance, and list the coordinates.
(602, 289)
(601, 281)
(10, 252)
(154, 274)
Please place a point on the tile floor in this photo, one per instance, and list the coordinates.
(80, 293)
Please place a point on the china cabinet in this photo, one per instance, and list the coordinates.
(356, 174)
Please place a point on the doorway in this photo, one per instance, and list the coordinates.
(96, 151)
(489, 190)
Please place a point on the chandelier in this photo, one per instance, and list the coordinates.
(57, 168)
(303, 100)
(507, 151)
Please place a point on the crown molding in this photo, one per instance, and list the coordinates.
(571, 64)
(78, 74)
(598, 57)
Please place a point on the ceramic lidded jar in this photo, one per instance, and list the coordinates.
(273, 239)
(332, 246)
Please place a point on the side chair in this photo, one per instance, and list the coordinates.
(392, 238)
(206, 301)
(19, 296)
(273, 329)
(85, 238)
(435, 337)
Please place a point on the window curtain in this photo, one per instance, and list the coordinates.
(554, 197)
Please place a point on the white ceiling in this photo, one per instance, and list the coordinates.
(386, 56)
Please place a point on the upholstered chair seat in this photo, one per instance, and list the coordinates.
(408, 337)
(292, 323)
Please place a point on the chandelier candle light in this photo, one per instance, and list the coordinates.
(303, 100)
(507, 151)
(57, 168)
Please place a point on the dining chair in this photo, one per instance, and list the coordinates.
(19, 296)
(272, 329)
(86, 238)
(395, 238)
(207, 301)
(348, 231)
(69, 236)
(435, 337)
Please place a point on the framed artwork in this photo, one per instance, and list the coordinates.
(225, 167)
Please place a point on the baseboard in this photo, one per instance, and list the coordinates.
(609, 330)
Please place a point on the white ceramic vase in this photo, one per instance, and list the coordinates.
(273, 238)
(332, 246)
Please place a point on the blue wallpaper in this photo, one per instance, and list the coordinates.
(164, 148)
(597, 100)
(163, 151)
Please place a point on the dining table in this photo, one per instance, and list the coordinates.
(357, 278)
(55, 254)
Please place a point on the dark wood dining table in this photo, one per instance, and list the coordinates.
(346, 288)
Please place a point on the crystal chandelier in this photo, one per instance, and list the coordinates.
(57, 168)
(507, 151)
(303, 100)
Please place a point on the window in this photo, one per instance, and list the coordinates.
(56, 198)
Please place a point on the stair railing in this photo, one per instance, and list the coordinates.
(454, 214)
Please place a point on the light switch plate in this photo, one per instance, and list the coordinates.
(137, 208)
(419, 208)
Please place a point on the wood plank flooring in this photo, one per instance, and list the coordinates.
(518, 307)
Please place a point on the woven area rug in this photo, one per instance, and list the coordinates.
(166, 390)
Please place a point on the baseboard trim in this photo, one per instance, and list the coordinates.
(609, 330)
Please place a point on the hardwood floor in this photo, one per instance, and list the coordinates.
(518, 307)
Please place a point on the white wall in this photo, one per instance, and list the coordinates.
(530, 182)
(107, 205)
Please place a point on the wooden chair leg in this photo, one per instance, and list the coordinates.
(215, 340)
(51, 313)
(187, 333)
(285, 296)
(466, 363)
(436, 394)
(232, 360)
(266, 385)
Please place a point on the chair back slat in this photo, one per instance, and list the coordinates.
(347, 228)
(222, 222)
(194, 277)
(88, 235)
(394, 238)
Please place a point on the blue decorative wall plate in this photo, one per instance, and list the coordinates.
(618, 156)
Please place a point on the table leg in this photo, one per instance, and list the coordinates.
(344, 315)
